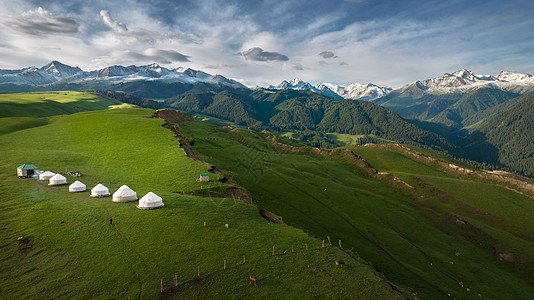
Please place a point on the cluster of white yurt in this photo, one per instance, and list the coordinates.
(46, 175)
(124, 194)
(57, 179)
(76, 187)
(150, 201)
(99, 191)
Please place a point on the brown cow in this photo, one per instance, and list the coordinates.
(339, 262)
(253, 279)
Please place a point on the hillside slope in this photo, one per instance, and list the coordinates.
(512, 133)
(57, 244)
(436, 234)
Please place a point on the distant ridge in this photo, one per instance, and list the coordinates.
(56, 71)
(356, 91)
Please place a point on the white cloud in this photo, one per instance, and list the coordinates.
(116, 26)
(292, 66)
(42, 22)
(258, 54)
(147, 56)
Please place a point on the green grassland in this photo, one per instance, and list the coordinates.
(46, 104)
(448, 238)
(67, 248)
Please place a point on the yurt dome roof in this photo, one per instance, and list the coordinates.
(149, 201)
(77, 184)
(48, 173)
(150, 198)
(124, 191)
(58, 177)
(100, 187)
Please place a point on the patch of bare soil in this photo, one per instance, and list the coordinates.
(26, 244)
(172, 116)
(172, 291)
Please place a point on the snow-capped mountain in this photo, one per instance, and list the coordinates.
(353, 91)
(465, 79)
(56, 71)
(59, 70)
(360, 91)
(508, 76)
(300, 85)
(295, 84)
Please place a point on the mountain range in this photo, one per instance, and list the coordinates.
(355, 91)
(456, 82)
(58, 74)
(56, 71)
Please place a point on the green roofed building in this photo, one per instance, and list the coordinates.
(27, 170)
(204, 177)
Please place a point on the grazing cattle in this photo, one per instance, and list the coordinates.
(253, 279)
(226, 225)
(339, 262)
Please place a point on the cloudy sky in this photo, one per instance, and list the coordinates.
(387, 42)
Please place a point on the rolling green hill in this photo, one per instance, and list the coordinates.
(57, 244)
(438, 232)
(45, 104)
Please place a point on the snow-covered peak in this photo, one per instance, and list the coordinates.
(336, 88)
(60, 70)
(56, 71)
(301, 85)
(465, 79)
(295, 84)
(514, 77)
(353, 91)
(359, 91)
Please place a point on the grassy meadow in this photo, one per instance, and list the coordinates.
(57, 244)
(452, 239)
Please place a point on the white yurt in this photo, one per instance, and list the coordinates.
(124, 194)
(46, 175)
(150, 201)
(57, 179)
(77, 186)
(99, 191)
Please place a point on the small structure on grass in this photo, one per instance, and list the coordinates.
(46, 175)
(150, 201)
(77, 186)
(99, 191)
(57, 179)
(27, 170)
(204, 177)
(124, 194)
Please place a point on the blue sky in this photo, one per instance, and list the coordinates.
(389, 43)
